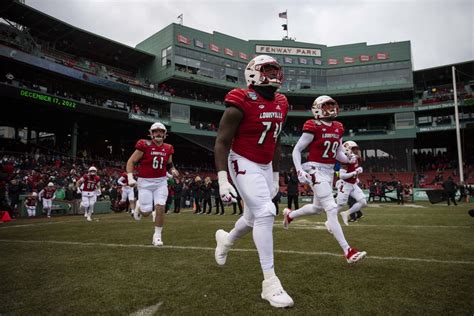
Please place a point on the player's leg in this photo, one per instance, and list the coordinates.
(359, 196)
(131, 198)
(244, 224)
(343, 193)
(92, 200)
(308, 209)
(85, 204)
(324, 195)
(160, 195)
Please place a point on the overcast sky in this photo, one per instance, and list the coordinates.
(441, 31)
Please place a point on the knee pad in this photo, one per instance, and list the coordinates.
(85, 204)
(146, 207)
(363, 202)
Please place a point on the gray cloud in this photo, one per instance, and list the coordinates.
(440, 31)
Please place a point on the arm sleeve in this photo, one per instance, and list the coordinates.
(120, 181)
(340, 155)
(301, 145)
(343, 174)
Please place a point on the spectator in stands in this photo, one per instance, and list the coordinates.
(450, 189)
(292, 182)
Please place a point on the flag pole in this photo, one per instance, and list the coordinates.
(458, 132)
(286, 14)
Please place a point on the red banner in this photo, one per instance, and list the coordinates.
(348, 60)
(332, 61)
(183, 39)
(214, 48)
(381, 56)
(363, 58)
(243, 56)
(228, 52)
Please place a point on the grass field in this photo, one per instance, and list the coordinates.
(420, 261)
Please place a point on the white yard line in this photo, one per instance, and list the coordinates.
(306, 253)
(148, 311)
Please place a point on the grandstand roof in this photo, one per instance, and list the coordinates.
(443, 74)
(74, 39)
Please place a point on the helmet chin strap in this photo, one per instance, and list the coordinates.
(159, 140)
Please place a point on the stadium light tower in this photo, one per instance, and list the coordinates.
(458, 132)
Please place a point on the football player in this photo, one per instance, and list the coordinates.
(127, 192)
(247, 148)
(47, 196)
(348, 186)
(30, 204)
(154, 157)
(89, 186)
(323, 136)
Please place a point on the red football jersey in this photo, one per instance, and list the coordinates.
(124, 178)
(90, 183)
(351, 168)
(326, 140)
(262, 123)
(154, 160)
(48, 193)
(31, 201)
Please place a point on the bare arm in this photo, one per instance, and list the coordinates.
(227, 128)
(134, 158)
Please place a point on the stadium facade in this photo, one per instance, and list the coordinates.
(81, 86)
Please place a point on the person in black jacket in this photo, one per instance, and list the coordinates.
(207, 196)
(178, 189)
(292, 182)
(400, 193)
(450, 189)
(217, 197)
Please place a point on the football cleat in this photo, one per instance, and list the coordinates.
(354, 255)
(273, 292)
(223, 246)
(157, 241)
(345, 217)
(136, 212)
(286, 218)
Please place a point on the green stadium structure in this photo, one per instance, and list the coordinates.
(179, 76)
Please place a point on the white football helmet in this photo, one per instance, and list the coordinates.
(50, 184)
(158, 126)
(35, 194)
(257, 74)
(325, 107)
(350, 147)
(93, 170)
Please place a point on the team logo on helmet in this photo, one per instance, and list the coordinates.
(325, 107)
(350, 147)
(262, 71)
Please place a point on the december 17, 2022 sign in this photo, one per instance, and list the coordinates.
(47, 98)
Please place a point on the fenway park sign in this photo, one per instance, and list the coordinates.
(299, 51)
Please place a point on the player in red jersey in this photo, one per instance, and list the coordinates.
(155, 158)
(247, 146)
(323, 136)
(47, 196)
(348, 174)
(30, 204)
(127, 191)
(89, 185)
